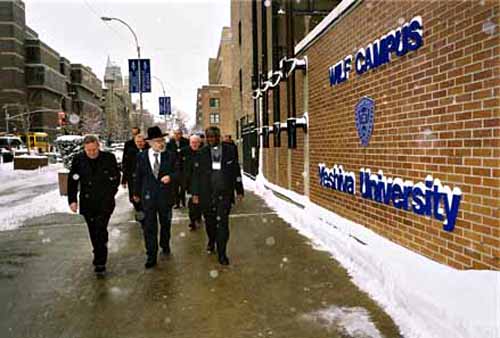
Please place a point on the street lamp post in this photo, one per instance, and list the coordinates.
(7, 115)
(105, 18)
(164, 94)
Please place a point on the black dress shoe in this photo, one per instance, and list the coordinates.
(100, 269)
(223, 260)
(192, 226)
(150, 263)
(210, 248)
(176, 206)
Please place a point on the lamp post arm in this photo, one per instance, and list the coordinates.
(131, 30)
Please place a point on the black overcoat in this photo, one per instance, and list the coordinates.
(150, 188)
(201, 182)
(97, 187)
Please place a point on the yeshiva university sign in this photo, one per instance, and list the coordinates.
(428, 198)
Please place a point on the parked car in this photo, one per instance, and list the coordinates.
(11, 146)
(12, 143)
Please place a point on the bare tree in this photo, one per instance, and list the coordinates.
(92, 122)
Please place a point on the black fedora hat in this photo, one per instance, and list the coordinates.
(154, 132)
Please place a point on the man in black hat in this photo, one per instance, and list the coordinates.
(216, 177)
(96, 173)
(155, 177)
(175, 145)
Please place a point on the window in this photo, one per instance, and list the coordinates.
(214, 103)
(214, 118)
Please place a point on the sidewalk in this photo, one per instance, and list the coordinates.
(276, 286)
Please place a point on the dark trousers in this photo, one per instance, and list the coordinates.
(97, 224)
(194, 211)
(150, 227)
(137, 205)
(180, 194)
(217, 222)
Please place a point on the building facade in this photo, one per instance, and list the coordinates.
(87, 100)
(393, 125)
(37, 83)
(12, 59)
(214, 102)
(118, 108)
(216, 108)
(46, 86)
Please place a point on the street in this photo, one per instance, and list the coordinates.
(277, 285)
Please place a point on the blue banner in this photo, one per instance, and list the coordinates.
(165, 107)
(146, 75)
(133, 75)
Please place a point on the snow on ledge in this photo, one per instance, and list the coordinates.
(426, 299)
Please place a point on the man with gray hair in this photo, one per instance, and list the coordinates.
(175, 145)
(129, 163)
(188, 155)
(97, 176)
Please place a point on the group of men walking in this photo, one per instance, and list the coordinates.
(158, 175)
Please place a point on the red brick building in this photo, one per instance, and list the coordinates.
(431, 107)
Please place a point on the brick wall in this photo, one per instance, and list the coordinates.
(223, 93)
(437, 113)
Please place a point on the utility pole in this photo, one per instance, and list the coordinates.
(104, 18)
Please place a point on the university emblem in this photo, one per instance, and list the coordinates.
(365, 115)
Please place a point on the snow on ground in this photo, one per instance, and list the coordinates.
(28, 193)
(426, 299)
(354, 321)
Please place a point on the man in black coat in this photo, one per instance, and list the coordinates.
(130, 151)
(97, 174)
(188, 155)
(129, 162)
(175, 145)
(155, 177)
(216, 177)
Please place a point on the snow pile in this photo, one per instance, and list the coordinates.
(69, 146)
(32, 156)
(426, 299)
(354, 322)
(28, 193)
(69, 138)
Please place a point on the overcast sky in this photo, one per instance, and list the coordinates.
(177, 35)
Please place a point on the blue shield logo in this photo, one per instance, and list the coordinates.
(365, 114)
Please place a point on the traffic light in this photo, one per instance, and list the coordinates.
(61, 118)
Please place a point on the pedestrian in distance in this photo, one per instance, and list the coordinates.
(175, 145)
(156, 176)
(95, 173)
(228, 139)
(189, 154)
(216, 178)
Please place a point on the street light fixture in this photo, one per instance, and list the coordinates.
(164, 94)
(106, 19)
